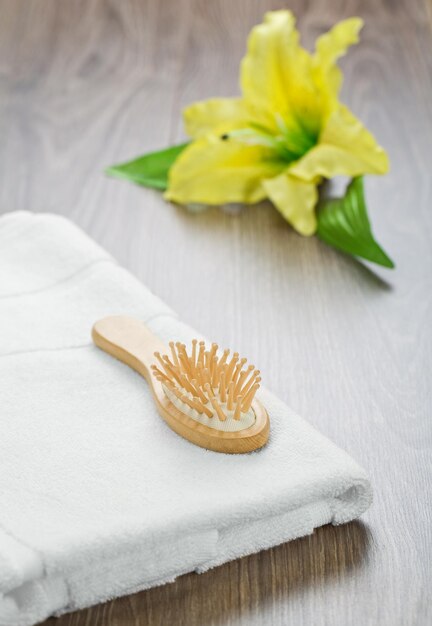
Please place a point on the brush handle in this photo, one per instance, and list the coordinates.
(130, 341)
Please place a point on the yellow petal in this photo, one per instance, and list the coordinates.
(213, 171)
(276, 72)
(295, 199)
(329, 48)
(202, 117)
(345, 148)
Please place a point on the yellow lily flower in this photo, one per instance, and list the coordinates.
(285, 134)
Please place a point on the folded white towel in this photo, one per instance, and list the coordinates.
(98, 497)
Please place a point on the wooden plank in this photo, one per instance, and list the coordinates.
(87, 84)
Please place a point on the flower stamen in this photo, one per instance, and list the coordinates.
(289, 145)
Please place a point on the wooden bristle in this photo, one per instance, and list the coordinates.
(174, 353)
(193, 356)
(231, 366)
(237, 370)
(247, 401)
(222, 387)
(237, 411)
(222, 361)
(200, 362)
(209, 384)
(241, 379)
(198, 391)
(253, 379)
(214, 371)
(221, 415)
(230, 401)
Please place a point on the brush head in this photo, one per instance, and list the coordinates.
(216, 390)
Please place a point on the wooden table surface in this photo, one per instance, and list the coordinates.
(84, 84)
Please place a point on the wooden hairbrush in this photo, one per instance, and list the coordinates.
(206, 398)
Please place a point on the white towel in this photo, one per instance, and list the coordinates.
(98, 497)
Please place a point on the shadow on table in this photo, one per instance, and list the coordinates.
(268, 236)
(257, 589)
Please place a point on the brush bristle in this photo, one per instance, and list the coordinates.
(213, 385)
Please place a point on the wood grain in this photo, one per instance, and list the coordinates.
(84, 84)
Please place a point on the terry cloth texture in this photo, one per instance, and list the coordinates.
(98, 497)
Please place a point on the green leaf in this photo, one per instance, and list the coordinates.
(150, 170)
(344, 224)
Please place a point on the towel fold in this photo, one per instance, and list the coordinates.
(98, 497)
